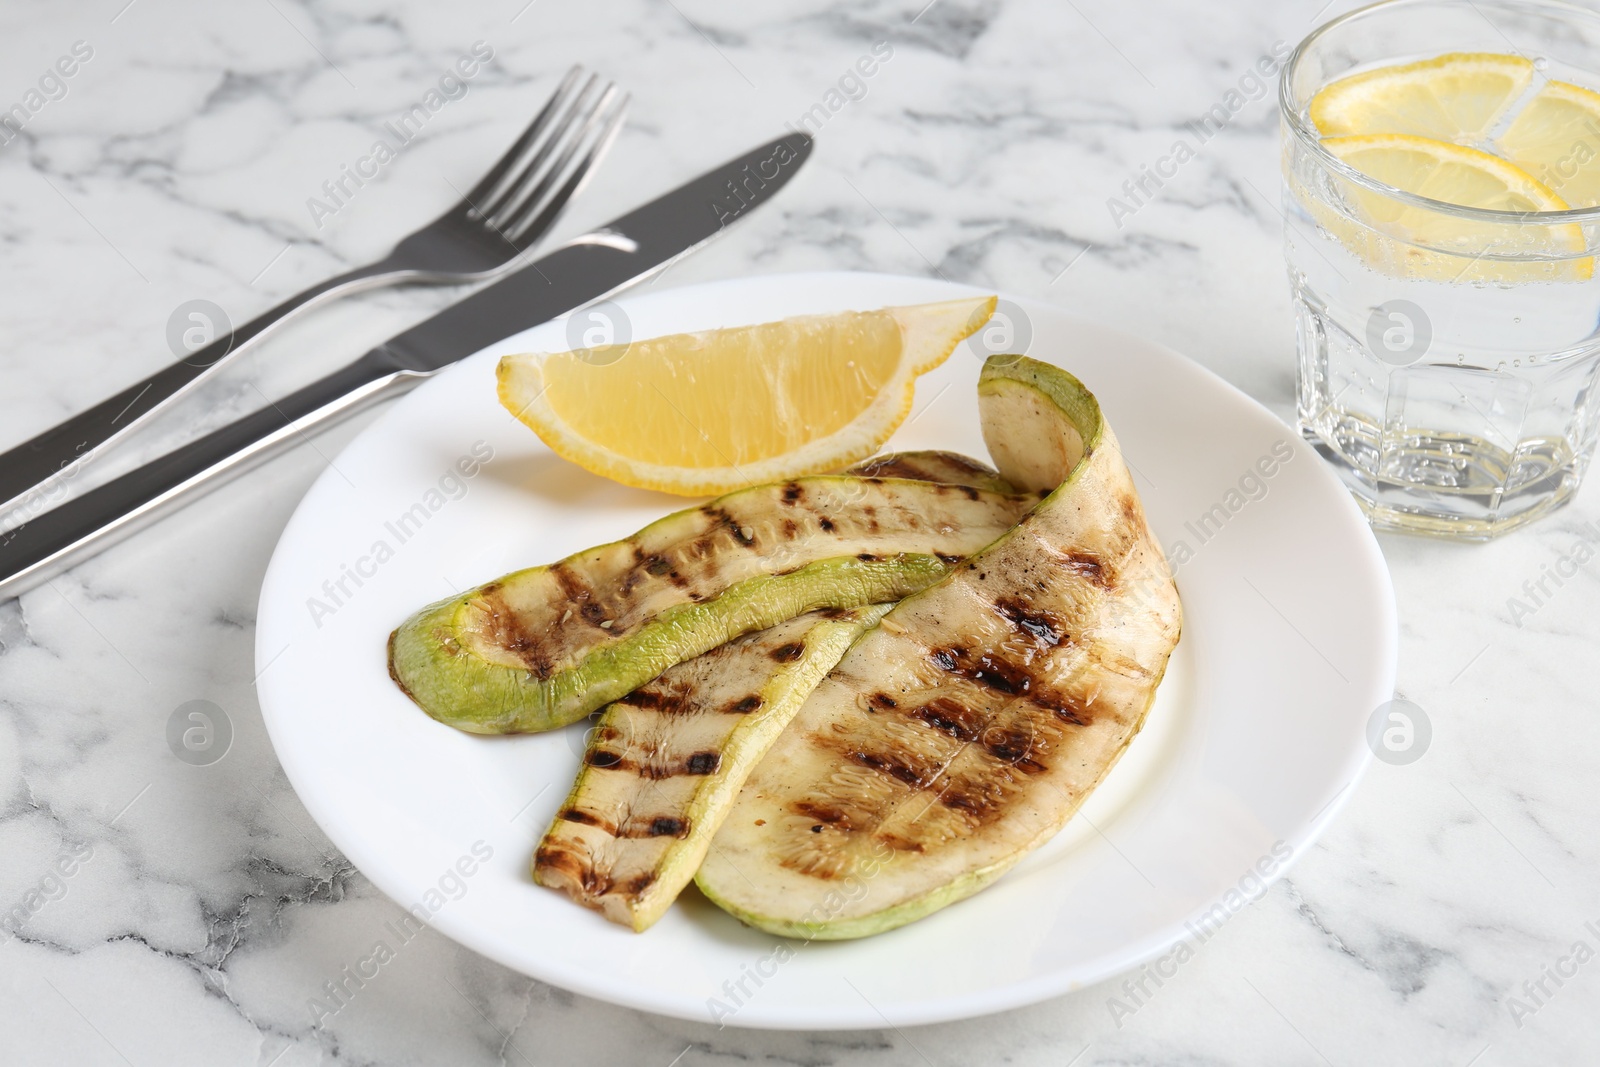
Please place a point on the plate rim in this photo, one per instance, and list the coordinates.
(953, 1007)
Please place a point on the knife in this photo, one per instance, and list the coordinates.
(587, 268)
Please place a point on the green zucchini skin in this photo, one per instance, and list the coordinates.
(543, 647)
(968, 727)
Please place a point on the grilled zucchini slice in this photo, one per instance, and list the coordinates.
(666, 761)
(968, 727)
(544, 647)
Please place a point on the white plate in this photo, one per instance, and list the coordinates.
(1255, 741)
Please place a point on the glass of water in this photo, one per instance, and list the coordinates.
(1447, 353)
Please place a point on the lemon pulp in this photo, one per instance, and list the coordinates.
(1556, 138)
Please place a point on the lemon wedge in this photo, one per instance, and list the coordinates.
(1455, 97)
(1455, 248)
(705, 413)
(1557, 139)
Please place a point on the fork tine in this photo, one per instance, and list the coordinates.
(489, 183)
(538, 188)
(604, 117)
(525, 221)
(578, 107)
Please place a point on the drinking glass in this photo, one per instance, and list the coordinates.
(1447, 355)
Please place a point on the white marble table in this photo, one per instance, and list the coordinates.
(178, 165)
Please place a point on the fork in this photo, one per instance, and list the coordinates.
(482, 235)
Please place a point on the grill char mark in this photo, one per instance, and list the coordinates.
(1014, 747)
(703, 763)
(788, 653)
(895, 765)
(741, 534)
(979, 802)
(648, 698)
(901, 466)
(1034, 622)
(573, 868)
(827, 814)
(585, 818)
(577, 592)
(644, 827)
(698, 764)
(634, 579)
(511, 633)
(983, 669)
(1069, 712)
(1132, 515)
(573, 588)
(1088, 567)
(889, 468)
(949, 717)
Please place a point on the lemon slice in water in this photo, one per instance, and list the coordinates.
(1455, 97)
(1455, 248)
(1556, 138)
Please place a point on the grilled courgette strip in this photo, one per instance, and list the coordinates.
(968, 727)
(543, 647)
(665, 762)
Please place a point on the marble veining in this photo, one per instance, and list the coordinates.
(204, 908)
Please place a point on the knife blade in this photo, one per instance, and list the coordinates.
(586, 269)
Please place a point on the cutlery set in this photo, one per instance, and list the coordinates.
(487, 236)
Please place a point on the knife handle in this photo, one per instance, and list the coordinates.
(43, 547)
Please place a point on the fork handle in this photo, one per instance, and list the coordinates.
(47, 544)
(31, 473)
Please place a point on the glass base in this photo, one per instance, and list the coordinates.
(1447, 446)
(1474, 511)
